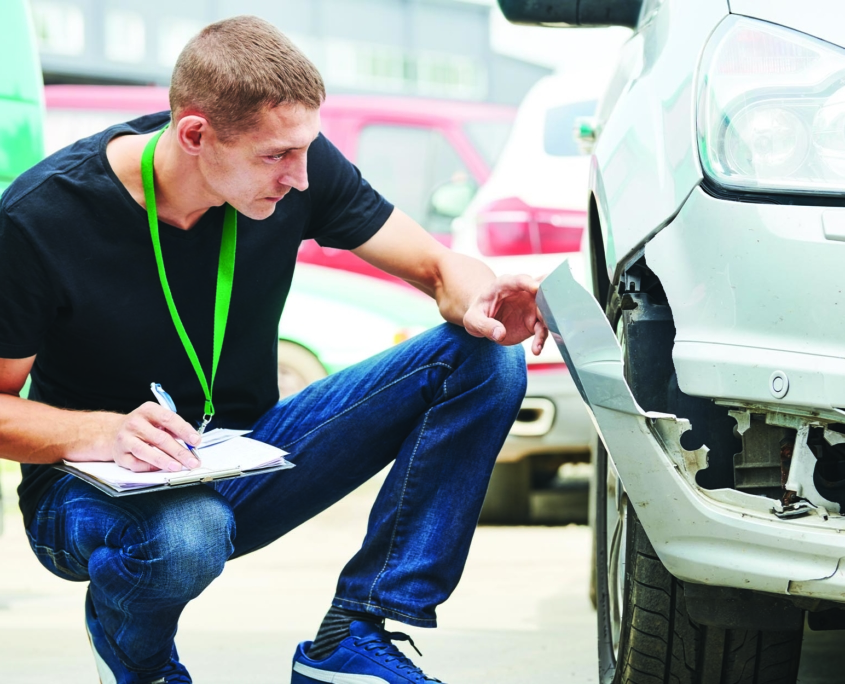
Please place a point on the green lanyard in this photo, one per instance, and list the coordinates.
(225, 275)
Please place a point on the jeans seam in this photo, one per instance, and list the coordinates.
(398, 510)
(367, 398)
(402, 498)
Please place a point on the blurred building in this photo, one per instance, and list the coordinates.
(433, 48)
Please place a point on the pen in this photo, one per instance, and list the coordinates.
(166, 401)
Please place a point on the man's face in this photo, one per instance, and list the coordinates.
(257, 168)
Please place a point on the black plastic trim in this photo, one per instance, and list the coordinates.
(713, 189)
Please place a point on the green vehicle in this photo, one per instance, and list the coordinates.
(21, 93)
(21, 101)
(334, 318)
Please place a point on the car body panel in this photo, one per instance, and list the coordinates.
(753, 296)
(647, 143)
(820, 18)
(720, 537)
(736, 325)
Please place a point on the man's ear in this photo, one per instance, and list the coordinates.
(192, 131)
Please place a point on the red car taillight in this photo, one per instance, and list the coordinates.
(510, 227)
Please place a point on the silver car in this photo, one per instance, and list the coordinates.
(710, 347)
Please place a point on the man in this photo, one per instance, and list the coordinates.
(115, 255)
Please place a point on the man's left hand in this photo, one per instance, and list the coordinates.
(506, 312)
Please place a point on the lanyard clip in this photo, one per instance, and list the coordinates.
(206, 419)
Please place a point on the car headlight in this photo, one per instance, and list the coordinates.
(771, 110)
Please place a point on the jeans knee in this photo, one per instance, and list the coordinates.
(186, 547)
(508, 374)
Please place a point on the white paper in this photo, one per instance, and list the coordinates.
(219, 458)
(220, 435)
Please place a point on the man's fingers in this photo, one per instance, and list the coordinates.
(541, 334)
(508, 285)
(171, 422)
(148, 435)
(136, 465)
(155, 457)
(479, 325)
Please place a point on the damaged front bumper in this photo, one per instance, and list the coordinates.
(720, 537)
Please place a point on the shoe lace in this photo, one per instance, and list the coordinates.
(381, 645)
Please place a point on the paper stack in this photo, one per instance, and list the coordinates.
(223, 454)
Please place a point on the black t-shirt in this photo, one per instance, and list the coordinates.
(79, 286)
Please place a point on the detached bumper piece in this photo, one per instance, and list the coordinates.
(726, 537)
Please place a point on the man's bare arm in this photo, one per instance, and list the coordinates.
(466, 290)
(31, 432)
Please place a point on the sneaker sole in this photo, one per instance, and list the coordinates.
(103, 671)
(314, 675)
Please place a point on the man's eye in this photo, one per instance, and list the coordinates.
(276, 157)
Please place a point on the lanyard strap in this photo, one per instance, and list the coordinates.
(225, 275)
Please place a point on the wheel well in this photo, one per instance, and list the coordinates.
(598, 261)
(649, 332)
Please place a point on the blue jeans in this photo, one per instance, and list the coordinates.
(438, 405)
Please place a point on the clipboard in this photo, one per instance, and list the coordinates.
(229, 456)
(174, 483)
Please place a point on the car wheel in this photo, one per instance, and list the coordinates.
(297, 368)
(645, 632)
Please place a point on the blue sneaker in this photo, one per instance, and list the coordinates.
(112, 671)
(366, 656)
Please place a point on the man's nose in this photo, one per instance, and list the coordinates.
(297, 175)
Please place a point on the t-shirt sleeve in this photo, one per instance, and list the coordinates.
(27, 302)
(345, 210)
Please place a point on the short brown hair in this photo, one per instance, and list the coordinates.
(234, 68)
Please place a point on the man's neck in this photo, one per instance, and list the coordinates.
(181, 194)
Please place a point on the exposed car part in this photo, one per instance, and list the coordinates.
(667, 481)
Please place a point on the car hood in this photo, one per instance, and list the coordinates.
(815, 17)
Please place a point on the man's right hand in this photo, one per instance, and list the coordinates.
(32, 432)
(146, 440)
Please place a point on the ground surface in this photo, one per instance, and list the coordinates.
(520, 615)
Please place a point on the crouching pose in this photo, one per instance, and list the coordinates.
(115, 259)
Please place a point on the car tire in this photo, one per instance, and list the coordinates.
(646, 635)
(297, 368)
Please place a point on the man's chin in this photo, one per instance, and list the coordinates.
(260, 210)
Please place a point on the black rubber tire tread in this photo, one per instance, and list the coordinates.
(761, 657)
(662, 645)
(650, 646)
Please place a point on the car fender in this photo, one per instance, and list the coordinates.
(646, 158)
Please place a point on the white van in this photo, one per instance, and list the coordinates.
(710, 348)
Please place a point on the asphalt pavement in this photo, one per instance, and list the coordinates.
(520, 615)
